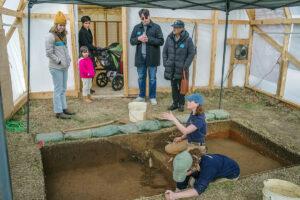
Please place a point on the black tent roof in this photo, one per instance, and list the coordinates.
(182, 4)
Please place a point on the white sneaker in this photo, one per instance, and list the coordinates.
(139, 99)
(153, 101)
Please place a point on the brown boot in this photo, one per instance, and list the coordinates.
(62, 116)
(90, 97)
(86, 99)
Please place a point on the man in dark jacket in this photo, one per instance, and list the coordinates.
(148, 37)
(178, 54)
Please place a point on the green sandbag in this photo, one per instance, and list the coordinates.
(209, 116)
(49, 137)
(166, 123)
(148, 125)
(183, 118)
(105, 131)
(129, 128)
(75, 135)
(220, 114)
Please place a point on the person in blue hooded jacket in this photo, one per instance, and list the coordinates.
(193, 134)
(204, 168)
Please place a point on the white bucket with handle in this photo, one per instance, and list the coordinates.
(276, 189)
(137, 111)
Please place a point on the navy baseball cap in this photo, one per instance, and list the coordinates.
(178, 24)
(198, 98)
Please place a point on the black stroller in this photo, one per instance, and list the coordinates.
(111, 66)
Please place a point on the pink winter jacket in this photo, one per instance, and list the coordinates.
(86, 68)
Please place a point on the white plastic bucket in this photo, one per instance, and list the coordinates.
(276, 189)
(137, 111)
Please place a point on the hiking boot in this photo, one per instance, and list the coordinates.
(139, 99)
(181, 108)
(68, 112)
(173, 107)
(62, 116)
(92, 91)
(153, 101)
(86, 99)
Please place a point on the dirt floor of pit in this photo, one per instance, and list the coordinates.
(99, 171)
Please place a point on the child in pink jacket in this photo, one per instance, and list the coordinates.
(86, 73)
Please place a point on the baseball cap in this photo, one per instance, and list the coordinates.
(181, 164)
(178, 24)
(198, 98)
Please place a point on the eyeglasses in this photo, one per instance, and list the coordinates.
(143, 18)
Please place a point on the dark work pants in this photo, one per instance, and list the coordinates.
(178, 99)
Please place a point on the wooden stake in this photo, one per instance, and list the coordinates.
(195, 59)
(74, 49)
(284, 63)
(232, 55)
(215, 16)
(88, 127)
(124, 45)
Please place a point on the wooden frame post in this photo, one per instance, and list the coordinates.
(215, 18)
(232, 55)
(251, 16)
(124, 45)
(284, 62)
(195, 59)
(74, 51)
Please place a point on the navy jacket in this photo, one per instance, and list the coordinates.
(155, 40)
(212, 166)
(178, 55)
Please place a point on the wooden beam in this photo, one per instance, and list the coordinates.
(199, 21)
(1, 4)
(118, 32)
(44, 16)
(124, 45)
(49, 95)
(284, 63)
(23, 53)
(17, 21)
(215, 18)
(277, 46)
(234, 41)
(276, 21)
(251, 14)
(9, 12)
(249, 55)
(74, 49)
(234, 22)
(240, 61)
(195, 59)
(287, 12)
(274, 96)
(232, 57)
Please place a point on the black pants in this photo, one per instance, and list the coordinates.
(178, 99)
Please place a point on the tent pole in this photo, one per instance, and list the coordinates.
(224, 53)
(5, 181)
(28, 63)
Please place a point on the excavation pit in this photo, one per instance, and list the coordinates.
(118, 167)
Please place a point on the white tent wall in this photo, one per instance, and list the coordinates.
(265, 62)
(203, 49)
(14, 54)
(40, 77)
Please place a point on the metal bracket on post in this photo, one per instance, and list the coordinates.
(224, 52)
(5, 181)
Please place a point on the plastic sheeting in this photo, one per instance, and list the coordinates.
(203, 49)
(41, 80)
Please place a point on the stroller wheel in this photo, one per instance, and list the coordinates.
(101, 79)
(117, 82)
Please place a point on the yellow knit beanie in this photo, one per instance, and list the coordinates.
(60, 18)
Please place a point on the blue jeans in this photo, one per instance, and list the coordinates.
(60, 78)
(142, 73)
